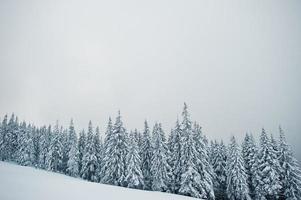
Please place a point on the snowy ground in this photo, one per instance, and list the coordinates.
(26, 183)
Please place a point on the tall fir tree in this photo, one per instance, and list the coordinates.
(266, 182)
(290, 176)
(219, 161)
(134, 177)
(194, 160)
(81, 150)
(3, 133)
(249, 154)
(237, 186)
(73, 160)
(203, 163)
(116, 148)
(175, 157)
(10, 138)
(55, 155)
(89, 162)
(26, 151)
(146, 157)
(159, 166)
(36, 138)
(44, 146)
(106, 150)
(98, 151)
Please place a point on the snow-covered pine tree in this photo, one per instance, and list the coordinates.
(36, 137)
(72, 164)
(55, 155)
(237, 186)
(203, 165)
(146, 157)
(159, 165)
(105, 161)
(249, 154)
(3, 132)
(138, 138)
(266, 182)
(116, 148)
(26, 151)
(290, 176)
(44, 146)
(98, 151)
(175, 158)
(134, 178)
(64, 138)
(81, 150)
(90, 165)
(219, 160)
(11, 140)
(192, 182)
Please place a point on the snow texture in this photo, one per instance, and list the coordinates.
(27, 183)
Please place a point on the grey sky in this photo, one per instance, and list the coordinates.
(236, 63)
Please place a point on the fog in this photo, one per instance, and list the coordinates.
(235, 63)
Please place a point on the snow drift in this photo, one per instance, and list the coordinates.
(27, 183)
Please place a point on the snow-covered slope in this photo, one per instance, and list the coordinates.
(26, 183)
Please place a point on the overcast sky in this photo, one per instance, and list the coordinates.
(237, 64)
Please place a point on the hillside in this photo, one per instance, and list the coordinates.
(26, 183)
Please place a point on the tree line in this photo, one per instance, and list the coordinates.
(183, 162)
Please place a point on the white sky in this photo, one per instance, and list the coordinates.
(236, 63)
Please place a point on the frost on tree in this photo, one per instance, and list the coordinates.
(44, 146)
(146, 156)
(3, 132)
(218, 161)
(175, 157)
(134, 178)
(89, 161)
(26, 151)
(160, 167)
(267, 181)
(249, 153)
(72, 164)
(290, 176)
(98, 151)
(116, 150)
(237, 186)
(196, 172)
(55, 155)
(81, 150)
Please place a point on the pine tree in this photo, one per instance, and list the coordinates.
(81, 150)
(194, 160)
(90, 164)
(175, 157)
(116, 149)
(203, 163)
(219, 161)
(36, 136)
(134, 178)
(98, 151)
(106, 152)
(55, 155)
(64, 138)
(237, 186)
(44, 146)
(146, 157)
(26, 151)
(290, 176)
(11, 140)
(72, 164)
(159, 165)
(249, 154)
(3, 133)
(266, 181)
